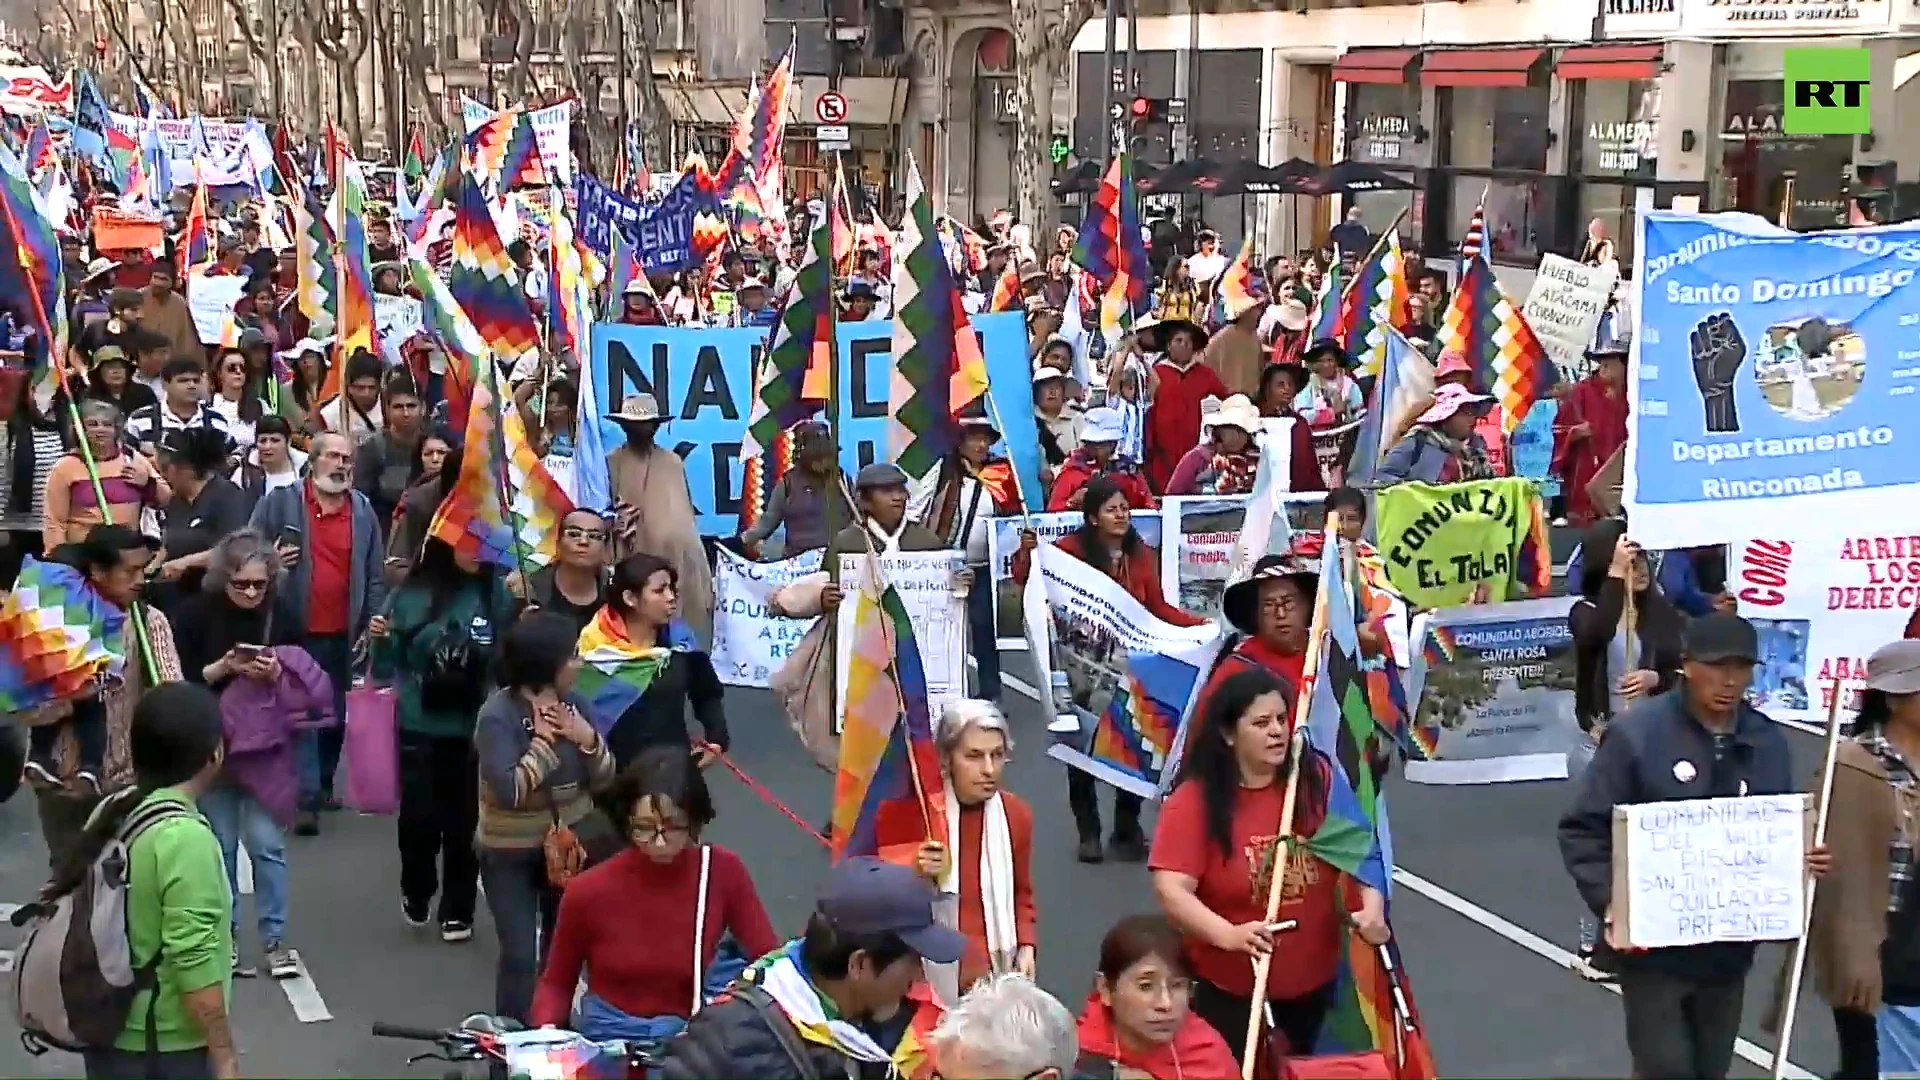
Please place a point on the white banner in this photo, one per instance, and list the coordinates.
(551, 128)
(1822, 607)
(1082, 624)
(1004, 539)
(236, 152)
(924, 580)
(1564, 306)
(211, 300)
(395, 319)
(749, 644)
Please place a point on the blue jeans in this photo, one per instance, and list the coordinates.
(237, 818)
(320, 747)
(985, 636)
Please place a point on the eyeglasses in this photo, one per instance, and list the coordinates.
(254, 586)
(1281, 603)
(575, 533)
(657, 832)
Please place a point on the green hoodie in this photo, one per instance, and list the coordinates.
(177, 904)
(417, 627)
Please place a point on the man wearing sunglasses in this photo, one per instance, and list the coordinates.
(575, 584)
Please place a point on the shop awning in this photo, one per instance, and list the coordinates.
(1640, 61)
(1479, 67)
(1387, 67)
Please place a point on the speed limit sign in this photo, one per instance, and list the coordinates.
(830, 108)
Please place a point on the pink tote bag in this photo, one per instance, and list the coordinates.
(371, 751)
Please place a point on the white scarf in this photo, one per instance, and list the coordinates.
(789, 988)
(887, 544)
(996, 893)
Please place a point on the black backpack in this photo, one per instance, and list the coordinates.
(456, 675)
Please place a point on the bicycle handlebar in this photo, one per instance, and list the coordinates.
(402, 1031)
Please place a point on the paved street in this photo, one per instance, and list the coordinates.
(1482, 908)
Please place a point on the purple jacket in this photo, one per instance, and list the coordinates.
(260, 720)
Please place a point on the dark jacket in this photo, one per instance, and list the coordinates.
(1635, 763)
(1595, 621)
(733, 1037)
(286, 507)
(660, 716)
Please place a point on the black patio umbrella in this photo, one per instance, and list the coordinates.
(1297, 175)
(1243, 177)
(1082, 178)
(1175, 178)
(1350, 177)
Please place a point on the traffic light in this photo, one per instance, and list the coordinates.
(1147, 110)
(1143, 110)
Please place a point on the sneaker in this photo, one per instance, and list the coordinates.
(330, 804)
(86, 782)
(453, 931)
(416, 917)
(1596, 965)
(282, 962)
(41, 777)
(1091, 851)
(306, 823)
(242, 969)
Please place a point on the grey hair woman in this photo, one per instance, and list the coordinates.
(1005, 1026)
(984, 865)
(70, 507)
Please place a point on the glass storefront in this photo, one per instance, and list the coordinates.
(1619, 125)
(1494, 146)
(1381, 122)
(1800, 181)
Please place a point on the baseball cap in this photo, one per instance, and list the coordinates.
(1722, 637)
(864, 895)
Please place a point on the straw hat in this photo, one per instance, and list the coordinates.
(640, 409)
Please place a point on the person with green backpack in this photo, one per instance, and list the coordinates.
(436, 645)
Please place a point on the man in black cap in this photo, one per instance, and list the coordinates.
(850, 979)
(1699, 741)
(880, 490)
(858, 300)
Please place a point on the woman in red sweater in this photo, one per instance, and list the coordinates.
(1139, 1020)
(983, 867)
(632, 922)
(1107, 541)
(1212, 864)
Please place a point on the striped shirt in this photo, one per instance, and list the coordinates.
(150, 424)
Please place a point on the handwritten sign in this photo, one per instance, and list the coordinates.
(749, 644)
(1564, 306)
(1706, 870)
(211, 300)
(924, 580)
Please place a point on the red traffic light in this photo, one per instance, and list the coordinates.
(1142, 108)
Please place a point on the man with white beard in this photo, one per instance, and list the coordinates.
(329, 540)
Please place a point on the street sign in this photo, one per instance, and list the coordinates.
(832, 137)
(830, 108)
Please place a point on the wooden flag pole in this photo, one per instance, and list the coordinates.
(1824, 815)
(1283, 844)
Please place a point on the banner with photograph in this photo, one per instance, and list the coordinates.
(1122, 681)
(1491, 690)
(1771, 379)
(1822, 607)
(749, 644)
(1196, 566)
(924, 580)
(1004, 539)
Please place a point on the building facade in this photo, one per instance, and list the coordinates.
(1551, 113)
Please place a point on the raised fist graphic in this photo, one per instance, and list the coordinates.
(1717, 350)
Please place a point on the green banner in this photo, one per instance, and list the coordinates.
(1478, 542)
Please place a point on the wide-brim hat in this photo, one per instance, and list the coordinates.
(1619, 347)
(1241, 605)
(638, 287)
(640, 409)
(99, 266)
(382, 267)
(307, 345)
(858, 290)
(1452, 362)
(1291, 314)
(1102, 424)
(1167, 327)
(1326, 346)
(1450, 399)
(1237, 411)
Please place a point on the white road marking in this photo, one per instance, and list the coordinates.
(1526, 939)
(308, 1006)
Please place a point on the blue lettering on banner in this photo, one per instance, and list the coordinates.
(703, 378)
(1773, 363)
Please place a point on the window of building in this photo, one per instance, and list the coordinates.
(1381, 125)
(1800, 181)
(1493, 147)
(1618, 121)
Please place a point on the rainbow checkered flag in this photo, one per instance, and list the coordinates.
(1110, 246)
(315, 287)
(1483, 322)
(483, 279)
(1375, 303)
(791, 382)
(56, 636)
(940, 374)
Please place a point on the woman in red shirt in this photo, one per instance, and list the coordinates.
(631, 922)
(1139, 1020)
(1107, 541)
(1222, 821)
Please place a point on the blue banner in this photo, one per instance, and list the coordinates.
(1773, 378)
(704, 380)
(661, 233)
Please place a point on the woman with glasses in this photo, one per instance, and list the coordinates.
(1139, 1020)
(647, 926)
(267, 693)
(574, 585)
(539, 763)
(235, 399)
